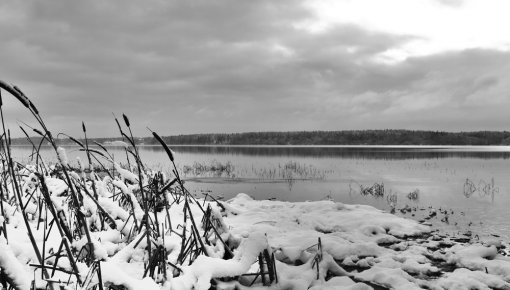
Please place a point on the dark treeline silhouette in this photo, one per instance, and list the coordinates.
(362, 137)
(355, 137)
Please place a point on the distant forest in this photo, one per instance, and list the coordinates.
(355, 137)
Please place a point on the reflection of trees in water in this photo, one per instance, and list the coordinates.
(369, 153)
(388, 153)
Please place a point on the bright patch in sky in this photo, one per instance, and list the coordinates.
(434, 25)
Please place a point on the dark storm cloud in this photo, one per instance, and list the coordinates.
(222, 66)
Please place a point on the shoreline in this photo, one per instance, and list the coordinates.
(314, 245)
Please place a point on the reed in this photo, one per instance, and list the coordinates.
(103, 195)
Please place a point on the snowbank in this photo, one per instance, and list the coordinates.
(315, 245)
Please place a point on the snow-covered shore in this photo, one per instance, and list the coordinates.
(316, 245)
(365, 248)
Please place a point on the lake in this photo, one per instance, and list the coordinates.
(472, 183)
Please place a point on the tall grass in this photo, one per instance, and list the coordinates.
(100, 195)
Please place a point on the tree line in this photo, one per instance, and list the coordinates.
(351, 137)
(354, 137)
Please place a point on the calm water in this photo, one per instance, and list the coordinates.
(442, 175)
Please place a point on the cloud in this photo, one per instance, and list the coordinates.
(452, 3)
(230, 66)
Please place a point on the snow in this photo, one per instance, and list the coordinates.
(113, 274)
(56, 186)
(316, 245)
(125, 174)
(199, 274)
(481, 258)
(464, 279)
(15, 271)
(62, 156)
(396, 278)
(340, 283)
(129, 193)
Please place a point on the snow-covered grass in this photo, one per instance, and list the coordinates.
(135, 228)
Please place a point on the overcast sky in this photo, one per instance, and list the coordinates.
(191, 66)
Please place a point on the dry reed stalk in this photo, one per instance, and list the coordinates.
(152, 192)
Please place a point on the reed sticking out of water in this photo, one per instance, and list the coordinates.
(414, 195)
(484, 188)
(376, 190)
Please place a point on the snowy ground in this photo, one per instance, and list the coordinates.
(365, 248)
(316, 245)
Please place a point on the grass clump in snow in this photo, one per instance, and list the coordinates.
(84, 225)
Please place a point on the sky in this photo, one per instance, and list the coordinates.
(223, 66)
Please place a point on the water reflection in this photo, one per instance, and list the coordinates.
(383, 152)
